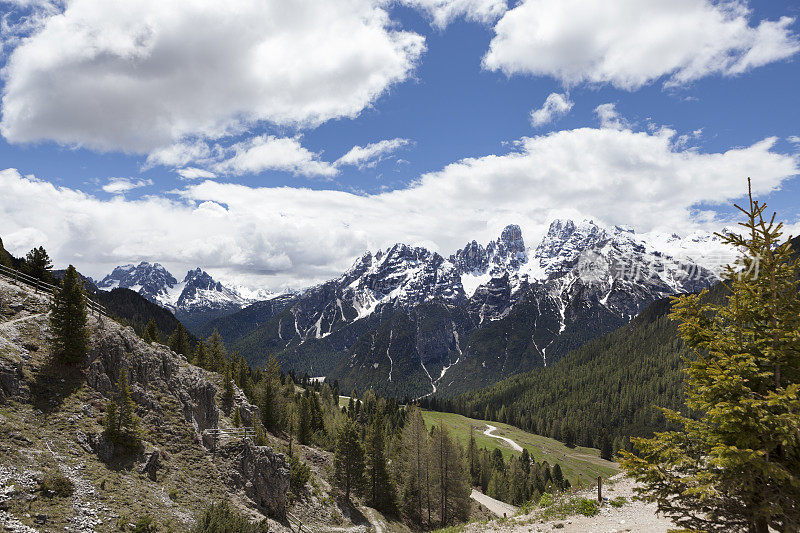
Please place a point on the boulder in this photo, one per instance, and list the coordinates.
(151, 464)
(258, 471)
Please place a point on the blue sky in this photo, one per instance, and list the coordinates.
(456, 121)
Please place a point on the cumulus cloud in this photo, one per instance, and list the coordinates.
(555, 105)
(371, 154)
(123, 185)
(295, 236)
(162, 71)
(443, 12)
(194, 173)
(180, 154)
(629, 43)
(267, 152)
(609, 117)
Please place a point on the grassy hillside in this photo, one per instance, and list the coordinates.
(580, 465)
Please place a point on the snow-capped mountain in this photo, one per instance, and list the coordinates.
(483, 313)
(194, 301)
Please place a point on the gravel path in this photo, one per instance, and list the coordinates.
(496, 506)
(634, 516)
(510, 442)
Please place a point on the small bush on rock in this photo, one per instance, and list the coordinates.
(54, 483)
(219, 517)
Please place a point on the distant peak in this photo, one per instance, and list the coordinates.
(511, 234)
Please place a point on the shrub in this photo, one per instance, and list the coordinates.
(587, 507)
(546, 500)
(619, 501)
(145, 524)
(219, 517)
(299, 474)
(54, 483)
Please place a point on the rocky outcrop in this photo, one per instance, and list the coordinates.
(150, 366)
(151, 464)
(258, 472)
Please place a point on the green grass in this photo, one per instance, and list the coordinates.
(580, 465)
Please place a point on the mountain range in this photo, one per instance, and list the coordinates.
(409, 321)
(194, 301)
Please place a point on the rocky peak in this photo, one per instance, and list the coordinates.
(151, 280)
(507, 253)
(564, 242)
(200, 279)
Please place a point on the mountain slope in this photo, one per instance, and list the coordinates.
(52, 418)
(446, 325)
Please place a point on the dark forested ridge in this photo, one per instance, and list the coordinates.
(604, 389)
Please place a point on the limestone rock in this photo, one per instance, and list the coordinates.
(258, 471)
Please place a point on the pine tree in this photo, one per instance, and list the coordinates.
(151, 332)
(303, 421)
(179, 340)
(452, 484)
(735, 465)
(68, 320)
(237, 418)
(217, 355)
(38, 264)
(227, 391)
(606, 452)
(201, 355)
(472, 457)
(128, 433)
(6, 259)
(348, 459)
(415, 464)
(111, 421)
(381, 493)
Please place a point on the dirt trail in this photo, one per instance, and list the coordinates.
(633, 516)
(499, 508)
(28, 317)
(510, 442)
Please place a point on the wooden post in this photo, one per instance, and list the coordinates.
(599, 489)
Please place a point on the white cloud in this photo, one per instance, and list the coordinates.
(794, 139)
(369, 155)
(179, 154)
(123, 185)
(629, 43)
(442, 12)
(267, 152)
(295, 236)
(610, 118)
(165, 70)
(194, 173)
(555, 105)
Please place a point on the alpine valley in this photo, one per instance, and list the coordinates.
(409, 322)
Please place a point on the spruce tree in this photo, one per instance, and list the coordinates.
(415, 464)
(6, 259)
(381, 493)
(217, 355)
(68, 321)
(348, 459)
(179, 340)
(606, 452)
(38, 264)
(111, 421)
(128, 421)
(151, 332)
(735, 463)
(227, 391)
